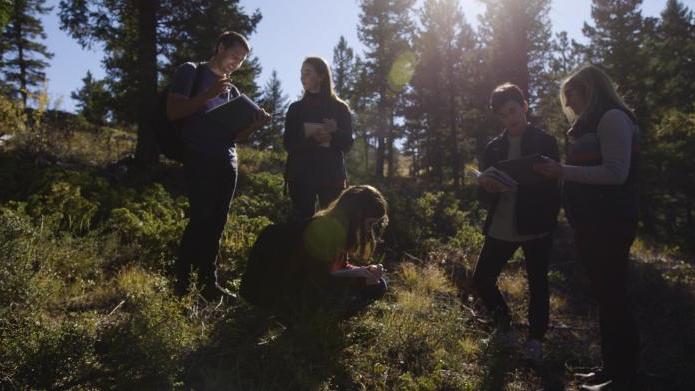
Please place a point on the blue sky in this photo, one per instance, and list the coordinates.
(288, 32)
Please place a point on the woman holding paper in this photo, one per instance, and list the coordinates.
(318, 132)
(600, 192)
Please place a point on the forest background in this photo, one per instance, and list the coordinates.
(90, 215)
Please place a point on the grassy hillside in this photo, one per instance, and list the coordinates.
(87, 242)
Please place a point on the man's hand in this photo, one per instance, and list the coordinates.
(223, 84)
(492, 186)
(261, 118)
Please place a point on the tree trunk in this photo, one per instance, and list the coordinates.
(366, 152)
(146, 152)
(18, 12)
(390, 150)
(381, 142)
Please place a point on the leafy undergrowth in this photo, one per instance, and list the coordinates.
(86, 294)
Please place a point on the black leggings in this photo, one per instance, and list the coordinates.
(304, 196)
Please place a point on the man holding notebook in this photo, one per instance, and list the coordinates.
(522, 215)
(210, 159)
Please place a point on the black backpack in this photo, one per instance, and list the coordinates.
(168, 134)
(268, 265)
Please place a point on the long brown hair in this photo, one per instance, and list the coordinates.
(326, 88)
(365, 211)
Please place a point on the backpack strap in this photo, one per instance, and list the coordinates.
(196, 78)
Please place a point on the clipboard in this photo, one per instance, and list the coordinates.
(521, 169)
(235, 115)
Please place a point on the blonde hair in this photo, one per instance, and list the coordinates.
(357, 205)
(597, 88)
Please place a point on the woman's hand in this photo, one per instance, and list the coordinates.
(322, 137)
(376, 271)
(329, 125)
(549, 168)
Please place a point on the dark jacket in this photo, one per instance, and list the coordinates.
(307, 161)
(537, 205)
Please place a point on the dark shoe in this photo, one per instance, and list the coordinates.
(596, 376)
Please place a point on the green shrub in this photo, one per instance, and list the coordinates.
(47, 354)
(153, 222)
(143, 345)
(18, 241)
(64, 204)
(13, 120)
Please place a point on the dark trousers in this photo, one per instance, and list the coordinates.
(493, 257)
(210, 185)
(303, 196)
(604, 249)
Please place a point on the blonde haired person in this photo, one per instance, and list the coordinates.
(306, 265)
(600, 193)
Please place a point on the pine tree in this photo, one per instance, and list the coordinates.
(344, 76)
(566, 56)
(93, 99)
(275, 102)
(671, 79)
(517, 35)
(385, 29)
(176, 30)
(442, 89)
(23, 56)
(616, 43)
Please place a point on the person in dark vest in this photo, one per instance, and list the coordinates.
(210, 159)
(600, 199)
(318, 133)
(524, 216)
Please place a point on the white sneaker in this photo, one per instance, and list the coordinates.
(533, 351)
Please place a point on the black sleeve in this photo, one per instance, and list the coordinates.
(344, 137)
(553, 152)
(293, 138)
(485, 197)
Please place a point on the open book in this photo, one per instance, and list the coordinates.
(235, 115)
(494, 174)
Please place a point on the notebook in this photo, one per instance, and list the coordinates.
(521, 169)
(235, 115)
